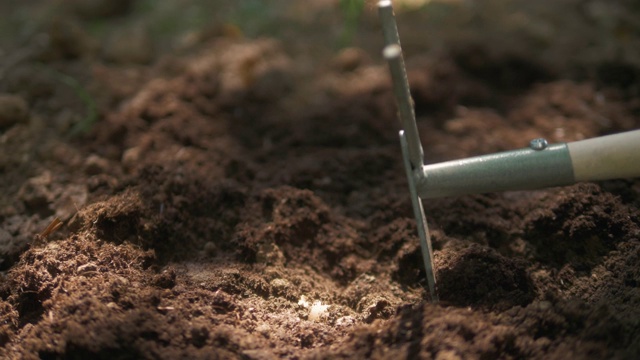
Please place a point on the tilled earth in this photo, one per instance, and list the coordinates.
(227, 203)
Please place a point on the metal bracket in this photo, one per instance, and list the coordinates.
(421, 220)
(409, 138)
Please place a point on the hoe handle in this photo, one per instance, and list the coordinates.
(602, 158)
(607, 157)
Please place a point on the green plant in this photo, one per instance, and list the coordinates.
(351, 11)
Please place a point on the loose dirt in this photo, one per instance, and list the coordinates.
(241, 197)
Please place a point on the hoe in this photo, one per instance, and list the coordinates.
(539, 165)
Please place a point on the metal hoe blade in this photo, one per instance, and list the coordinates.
(409, 138)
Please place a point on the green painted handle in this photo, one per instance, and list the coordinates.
(607, 157)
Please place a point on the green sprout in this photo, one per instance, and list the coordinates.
(351, 10)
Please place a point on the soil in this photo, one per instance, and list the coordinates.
(228, 195)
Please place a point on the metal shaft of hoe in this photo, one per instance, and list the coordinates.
(393, 53)
(409, 138)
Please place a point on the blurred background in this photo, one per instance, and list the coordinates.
(573, 37)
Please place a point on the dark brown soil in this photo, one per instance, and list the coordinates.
(233, 196)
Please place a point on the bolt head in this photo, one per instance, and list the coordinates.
(538, 144)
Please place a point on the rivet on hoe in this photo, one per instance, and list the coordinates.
(537, 166)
